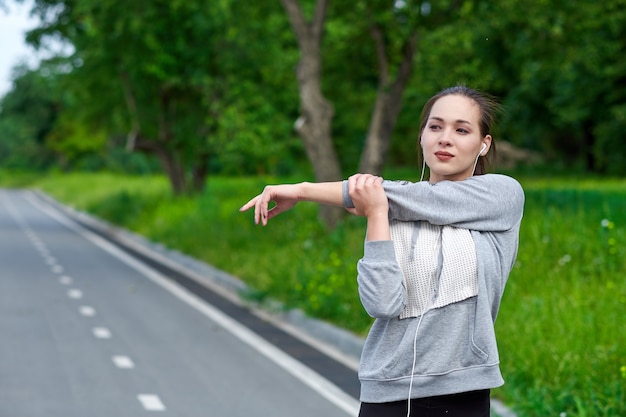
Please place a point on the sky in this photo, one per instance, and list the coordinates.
(14, 23)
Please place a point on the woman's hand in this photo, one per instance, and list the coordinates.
(370, 200)
(368, 195)
(284, 196)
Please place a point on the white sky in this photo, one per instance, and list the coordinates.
(13, 27)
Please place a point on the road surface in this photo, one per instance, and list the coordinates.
(87, 330)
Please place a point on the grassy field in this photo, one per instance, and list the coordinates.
(561, 326)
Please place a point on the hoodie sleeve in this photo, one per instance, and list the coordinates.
(380, 280)
(490, 202)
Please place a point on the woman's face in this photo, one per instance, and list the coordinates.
(451, 139)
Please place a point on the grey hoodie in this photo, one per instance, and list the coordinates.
(455, 346)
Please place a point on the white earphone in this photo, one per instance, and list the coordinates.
(482, 149)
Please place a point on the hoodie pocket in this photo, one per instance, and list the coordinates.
(476, 334)
(449, 339)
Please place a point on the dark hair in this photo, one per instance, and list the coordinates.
(489, 110)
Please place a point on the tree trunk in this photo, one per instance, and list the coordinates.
(589, 140)
(172, 165)
(388, 103)
(175, 172)
(200, 172)
(315, 121)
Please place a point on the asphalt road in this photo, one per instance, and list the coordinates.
(88, 330)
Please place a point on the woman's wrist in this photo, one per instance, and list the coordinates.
(378, 227)
(330, 193)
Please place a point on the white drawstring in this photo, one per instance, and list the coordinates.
(475, 163)
(408, 413)
(424, 167)
(426, 308)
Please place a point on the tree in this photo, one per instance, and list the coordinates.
(28, 114)
(161, 71)
(314, 123)
(395, 54)
(136, 59)
(560, 72)
(187, 81)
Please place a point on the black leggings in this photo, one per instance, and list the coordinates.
(467, 404)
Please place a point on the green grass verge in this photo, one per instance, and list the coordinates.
(561, 325)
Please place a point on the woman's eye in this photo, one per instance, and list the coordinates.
(434, 127)
(463, 131)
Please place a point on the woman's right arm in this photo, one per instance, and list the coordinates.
(285, 196)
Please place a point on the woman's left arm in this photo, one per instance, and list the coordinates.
(369, 199)
(490, 202)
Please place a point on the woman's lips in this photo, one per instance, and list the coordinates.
(444, 156)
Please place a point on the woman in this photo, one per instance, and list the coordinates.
(436, 259)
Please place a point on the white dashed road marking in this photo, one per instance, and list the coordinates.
(75, 294)
(87, 311)
(123, 362)
(151, 402)
(65, 280)
(101, 332)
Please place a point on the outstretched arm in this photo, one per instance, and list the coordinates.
(285, 196)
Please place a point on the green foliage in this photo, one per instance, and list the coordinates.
(17, 178)
(556, 65)
(27, 114)
(561, 330)
(68, 139)
(185, 81)
(217, 79)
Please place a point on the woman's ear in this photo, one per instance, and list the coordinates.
(486, 145)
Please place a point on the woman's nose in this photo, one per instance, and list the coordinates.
(444, 138)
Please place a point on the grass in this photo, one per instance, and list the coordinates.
(561, 328)
(561, 325)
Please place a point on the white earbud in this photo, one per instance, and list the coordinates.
(478, 157)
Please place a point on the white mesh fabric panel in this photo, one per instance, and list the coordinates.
(438, 264)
